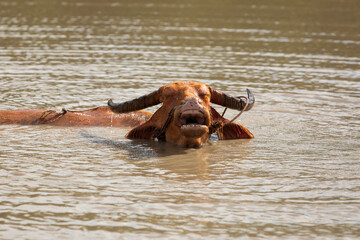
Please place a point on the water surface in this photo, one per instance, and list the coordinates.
(299, 177)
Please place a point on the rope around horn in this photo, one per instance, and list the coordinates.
(217, 125)
(241, 112)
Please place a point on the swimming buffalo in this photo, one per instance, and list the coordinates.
(185, 118)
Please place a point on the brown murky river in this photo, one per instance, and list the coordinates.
(298, 179)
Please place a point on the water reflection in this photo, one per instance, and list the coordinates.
(176, 161)
(137, 149)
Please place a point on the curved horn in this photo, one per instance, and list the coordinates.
(135, 104)
(225, 100)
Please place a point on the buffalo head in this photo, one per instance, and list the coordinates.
(186, 117)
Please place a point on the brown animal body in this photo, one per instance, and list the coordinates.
(100, 116)
(185, 117)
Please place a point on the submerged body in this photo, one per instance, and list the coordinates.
(100, 116)
(185, 118)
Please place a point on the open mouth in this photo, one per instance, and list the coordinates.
(193, 123)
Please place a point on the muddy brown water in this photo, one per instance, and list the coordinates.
(298, 179)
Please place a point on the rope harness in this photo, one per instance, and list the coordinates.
(218, 125)
(44, 116)
(241, 112)
(159, 134)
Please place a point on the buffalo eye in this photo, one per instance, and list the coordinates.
(167, 92)
(204, 96)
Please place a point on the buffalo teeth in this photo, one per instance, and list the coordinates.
(192, 125)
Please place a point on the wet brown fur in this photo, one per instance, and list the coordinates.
(101, 116)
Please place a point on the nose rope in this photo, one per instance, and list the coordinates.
(159, 133)
(217, 125)
(45, 120)
(241, 112)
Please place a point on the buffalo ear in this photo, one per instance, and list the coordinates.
(233, 131)
(144, 131)
(230, 130)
